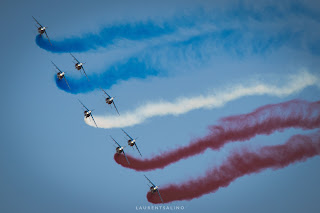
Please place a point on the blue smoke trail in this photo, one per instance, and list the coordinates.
(105, 37)
(133, 68)
(234, 33)
(232, 41)
(242, 14)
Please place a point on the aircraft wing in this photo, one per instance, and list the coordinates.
(66, 81)
(56, 66)
(126, 157)
(48, 37)
(138, 149)
(115, 141)
(127, 134)
(150, 181)
(94, 120)
(85, 73)
(160, 196)
(74, 58)
(37, 21)
(83, 105)
(105, 93)
(115, 107)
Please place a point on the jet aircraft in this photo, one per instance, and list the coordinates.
(42, 30)
(79, 66)
(60, 74)
(120, 149)
(88, 113)
(154, 189)
(132, 142)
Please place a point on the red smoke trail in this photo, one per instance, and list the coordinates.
(298, 148)
(264, 120)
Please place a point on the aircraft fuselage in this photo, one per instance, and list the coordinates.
(119, 150)
(41, 30)
(131, 142)
(109, 100)
(87, 114)
(78, 66)
(153, 189)
(60, 75)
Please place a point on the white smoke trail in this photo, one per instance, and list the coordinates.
(294, 84)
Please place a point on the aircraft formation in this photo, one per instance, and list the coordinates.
(88, 113)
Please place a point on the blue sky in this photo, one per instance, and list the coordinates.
(52, 161)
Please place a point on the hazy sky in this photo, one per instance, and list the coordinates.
(52, 161)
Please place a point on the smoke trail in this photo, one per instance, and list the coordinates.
(143, 67)
(297, 149)
(133, 68)
(105, 37)
(254, 19)
(183, 105)
(264, 120)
